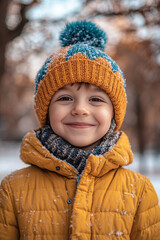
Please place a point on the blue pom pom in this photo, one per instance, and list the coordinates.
(83, 32)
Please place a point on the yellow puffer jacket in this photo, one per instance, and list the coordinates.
(44, 201)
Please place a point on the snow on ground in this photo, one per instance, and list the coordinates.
(10, 161)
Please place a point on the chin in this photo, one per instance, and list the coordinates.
(79, 145)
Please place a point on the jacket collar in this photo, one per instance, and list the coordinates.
(33, 152)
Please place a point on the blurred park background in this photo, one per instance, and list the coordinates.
(29, 33)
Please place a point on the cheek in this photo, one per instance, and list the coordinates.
(104, 116)
(56, 115)
(53, 116)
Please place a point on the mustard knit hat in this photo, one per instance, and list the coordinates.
(81, 59)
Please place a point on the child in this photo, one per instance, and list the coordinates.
(76, 186)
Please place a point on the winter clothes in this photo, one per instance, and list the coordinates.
(45, 201)
(73, 155)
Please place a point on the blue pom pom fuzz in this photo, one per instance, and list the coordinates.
(83, 32)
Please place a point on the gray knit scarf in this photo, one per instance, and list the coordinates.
(71, 154)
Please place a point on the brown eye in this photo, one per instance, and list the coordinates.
(65, 98)
(96, 99)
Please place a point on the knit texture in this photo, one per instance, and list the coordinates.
(69, 153)
(81, 61)
(83, 32)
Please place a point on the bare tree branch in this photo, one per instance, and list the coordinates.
(121, 10)
(7, 35)
(17, 31)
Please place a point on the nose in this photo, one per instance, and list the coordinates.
(80, 109)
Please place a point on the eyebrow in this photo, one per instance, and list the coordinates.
(98, 89)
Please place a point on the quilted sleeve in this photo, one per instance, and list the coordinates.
(147, 219)
(8, 222)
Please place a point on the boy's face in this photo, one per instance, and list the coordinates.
(81, 114)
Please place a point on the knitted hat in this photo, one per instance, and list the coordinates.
(81, 59)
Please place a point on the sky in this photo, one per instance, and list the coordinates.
(54, 9)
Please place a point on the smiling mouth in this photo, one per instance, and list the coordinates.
(79, 125)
